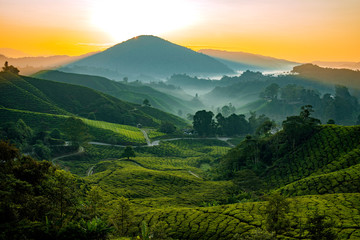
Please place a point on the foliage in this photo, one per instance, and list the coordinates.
(276, 210)
(42, 151)
(121, 215)
(76, 130)
(203, 123)
(167, 127)
(128, 152)
(271, 92)
(11, 68)
(320, 228)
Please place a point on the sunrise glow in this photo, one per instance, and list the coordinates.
(296, 30)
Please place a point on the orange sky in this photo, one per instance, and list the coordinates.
(298, 30)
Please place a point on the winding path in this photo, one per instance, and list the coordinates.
(79, 151)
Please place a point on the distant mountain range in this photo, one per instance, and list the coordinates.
(30, 65)
(248, 61)
(13, 53)
(145, 57)
(346, 65)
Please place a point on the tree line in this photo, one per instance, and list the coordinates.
(205, 124)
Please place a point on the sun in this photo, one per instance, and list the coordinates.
(124, 19)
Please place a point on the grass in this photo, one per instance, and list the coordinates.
(128, 133)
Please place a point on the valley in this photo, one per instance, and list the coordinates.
(127, 144)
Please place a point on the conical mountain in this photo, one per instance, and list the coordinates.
(149, 56)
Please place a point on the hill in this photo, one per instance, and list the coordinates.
(46, 96)
(248, 61)
(344, 77)
(122, 90)
(246, 88)
(147, 56)
(349, 65)
(100, 131)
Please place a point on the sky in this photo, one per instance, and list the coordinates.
(297, 30)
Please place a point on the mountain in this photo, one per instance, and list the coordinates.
(13, 53)
(248, 61)
(348, 65)
(37, 95)
(124, 91)
(345, 77)
(147, 56)
(30, 65)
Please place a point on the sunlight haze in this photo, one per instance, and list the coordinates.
(290, 29)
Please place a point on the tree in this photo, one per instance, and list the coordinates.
(271, 92)
(203, 123)
(167, 127)
(128, 152)
(320, 227)
(95, 202)
(42, 151)
(265, 127)
(121, 216)
(275, 210)
(55, 133)
(76, 130)
(331, 121)
(146, 103)
(298, 128)
(11, 68)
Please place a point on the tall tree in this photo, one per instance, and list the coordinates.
(203, 123)
(276, 210)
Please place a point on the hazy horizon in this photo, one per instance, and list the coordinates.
(301, 31)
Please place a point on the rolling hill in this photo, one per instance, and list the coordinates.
(121, 90)
(37, 95)
(147, 56)
(346, 77)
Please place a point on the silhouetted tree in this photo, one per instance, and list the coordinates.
(11, 68)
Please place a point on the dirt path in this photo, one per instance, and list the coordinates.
(90, 171)
(79, 151)
(146, 137)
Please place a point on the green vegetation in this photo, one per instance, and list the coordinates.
(124, 90)
(43, 96)
(101, 131)
(300, 182)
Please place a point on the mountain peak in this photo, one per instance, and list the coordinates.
(148, 55)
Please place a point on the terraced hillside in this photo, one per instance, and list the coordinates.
(235, 221)
(25, 93)
(100, 131)
(332, 153)
(320, 175)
